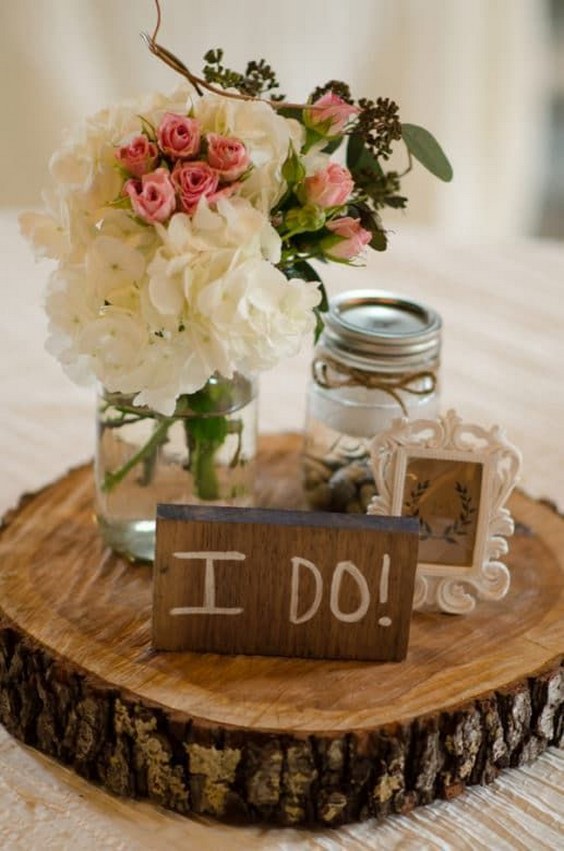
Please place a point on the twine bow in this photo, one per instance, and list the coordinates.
(352, 377)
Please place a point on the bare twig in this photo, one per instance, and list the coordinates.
(173, 62)
(158, 24)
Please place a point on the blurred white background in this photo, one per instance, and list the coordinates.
(480, 75)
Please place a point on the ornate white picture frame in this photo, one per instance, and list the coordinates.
(456, 478)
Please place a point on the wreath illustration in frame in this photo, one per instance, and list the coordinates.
(455, 478)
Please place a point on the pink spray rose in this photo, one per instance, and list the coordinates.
(227, 155)
(195, 180)
(353, 238)
(138, 155)
(152, 198)
(178, 136)
(330, 187)
(331, 115)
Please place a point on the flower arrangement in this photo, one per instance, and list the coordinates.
(167, 258)
(184, 226)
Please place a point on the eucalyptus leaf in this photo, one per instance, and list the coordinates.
(425, 148)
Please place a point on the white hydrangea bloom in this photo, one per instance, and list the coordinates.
(213, 276)
(261, 314)
(155, 310)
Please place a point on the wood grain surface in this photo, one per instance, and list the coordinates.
(257, 738)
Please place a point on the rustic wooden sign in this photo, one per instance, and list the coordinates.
(283, 583)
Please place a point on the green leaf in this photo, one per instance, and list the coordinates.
(425, 148)
(359, 158)
(302, 269)
(332, 145)
(324, 303)
(290, 112)
(379, 241)
(319, 325)
(355, 148)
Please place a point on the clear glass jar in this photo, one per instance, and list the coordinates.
(203, 453)
(377, 360)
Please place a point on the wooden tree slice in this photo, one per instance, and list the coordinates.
(259, 738)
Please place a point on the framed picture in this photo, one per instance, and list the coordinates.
(455, 478)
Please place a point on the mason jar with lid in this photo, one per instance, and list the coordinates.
(377, 359)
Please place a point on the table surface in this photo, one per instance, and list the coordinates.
(503, 362)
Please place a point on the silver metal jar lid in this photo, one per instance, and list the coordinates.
(375, 329)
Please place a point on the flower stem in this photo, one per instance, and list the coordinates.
(159, 436)
(205, 474)
(204, 436)
(206, 428)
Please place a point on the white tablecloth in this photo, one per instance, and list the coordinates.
(503, 362)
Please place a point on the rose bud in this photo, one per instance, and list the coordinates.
(178, 136)
(137, 155)
(348, 240)
(227, 155)
(153, 198)
(330, 187)
(194, 180)
(330, 115)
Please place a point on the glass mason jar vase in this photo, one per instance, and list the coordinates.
(202, 454)
(377, 359)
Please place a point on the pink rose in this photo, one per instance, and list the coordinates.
(152, 198)
(179, 136)
(330, 116)
(330, 187)
(138, 156)
(195, 180)
(353, 238)
(227, 155)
